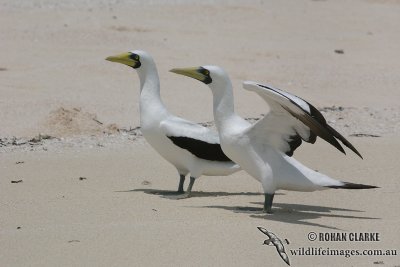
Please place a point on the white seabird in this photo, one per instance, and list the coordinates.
(190, 147)
(264, 149)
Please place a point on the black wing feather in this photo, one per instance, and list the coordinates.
(200, 149)
(327, 132)
(294, 143)
(320, 118)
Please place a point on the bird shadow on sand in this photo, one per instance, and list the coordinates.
(287, 213)
(295, 213)
(194, 194)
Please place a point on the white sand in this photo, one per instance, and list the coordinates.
(54, 81)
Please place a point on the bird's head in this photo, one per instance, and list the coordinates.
(267, 242)
(135, 59)
(215, 77)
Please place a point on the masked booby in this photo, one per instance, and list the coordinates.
(190, 147)
(264, 149)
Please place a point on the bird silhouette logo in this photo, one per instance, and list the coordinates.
(273, 240)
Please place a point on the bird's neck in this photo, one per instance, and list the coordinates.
(151, 106)
(223, 104)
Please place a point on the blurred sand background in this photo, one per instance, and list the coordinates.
(69, 130)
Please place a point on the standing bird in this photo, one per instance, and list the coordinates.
(264, 149)
(191, 148)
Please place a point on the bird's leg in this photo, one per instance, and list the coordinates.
(191, 183)
(181, 182)
(188, 191)
(173, 194)
(268, 203)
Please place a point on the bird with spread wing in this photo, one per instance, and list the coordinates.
(264, 149)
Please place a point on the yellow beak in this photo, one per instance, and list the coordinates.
(198, 73)
(128, 59)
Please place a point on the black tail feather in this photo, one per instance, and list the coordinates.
(347, 185)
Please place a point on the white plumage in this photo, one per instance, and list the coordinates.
(190, 147)
(264, 149)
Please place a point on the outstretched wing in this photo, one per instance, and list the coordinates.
(265, 231)
(280, 248)
(198, 140)
(291, 120)
(284, 256)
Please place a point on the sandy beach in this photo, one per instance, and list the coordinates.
(77, 175)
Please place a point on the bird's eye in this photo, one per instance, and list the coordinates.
(206, 72)
(134, 57)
